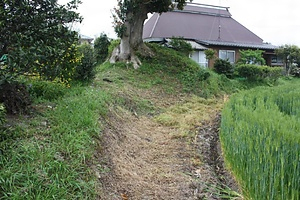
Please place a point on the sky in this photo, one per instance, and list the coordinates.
(275, 21)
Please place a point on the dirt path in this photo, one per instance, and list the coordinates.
(145, 161)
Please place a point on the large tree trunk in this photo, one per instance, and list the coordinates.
(132, 40)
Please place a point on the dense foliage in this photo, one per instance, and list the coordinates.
(180, 45)
(260, 138)
(36, 37)
(36, 41)
(258, 72)
(101, 45)
(224, 67)
(290, 55)
(251, 57)
(15, 97)
(2, 114)
(85, 71)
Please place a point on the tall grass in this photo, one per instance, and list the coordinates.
(47, 156)
(261, 142)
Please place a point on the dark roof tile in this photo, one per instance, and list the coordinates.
(200, 23)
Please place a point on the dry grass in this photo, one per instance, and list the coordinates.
(190, 114)
(145, 161)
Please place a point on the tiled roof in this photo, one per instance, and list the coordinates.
(265, 46)
(199, 22)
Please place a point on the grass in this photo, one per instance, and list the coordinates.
(46, 157)
(260, 137)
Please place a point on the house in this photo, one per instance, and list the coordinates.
(83, 39)
(207, 27)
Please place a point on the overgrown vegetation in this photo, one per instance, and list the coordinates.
(85, 70)
(2, 114)
(101, 46)
(260, 138)
(47, 156)
(258, 72)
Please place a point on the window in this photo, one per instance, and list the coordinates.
(276, 60)
(227, 54)
(200, 58)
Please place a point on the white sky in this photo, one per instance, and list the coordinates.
(275, 21)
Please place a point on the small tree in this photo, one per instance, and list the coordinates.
(290, 54)
(251, 57)
(101, 45)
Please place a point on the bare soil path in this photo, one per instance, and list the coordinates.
(146, 162)
(141, 159)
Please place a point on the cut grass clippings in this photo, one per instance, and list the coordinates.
(190, 114)
(46, 156)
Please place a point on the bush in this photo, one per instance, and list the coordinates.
(2, 114)
(224, 67)
(86, 70)
(15, 97)
(258, 73)
(295, 71)
(46, 89)
(192, 79)
(101, 45)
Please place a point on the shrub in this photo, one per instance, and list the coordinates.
(258, 73)
(224, 67)
(2, 114)
(46, 89)
(192, 79)
(295, 71)
(251, 57)
(86, 70)
(101, 45)
(15, 97)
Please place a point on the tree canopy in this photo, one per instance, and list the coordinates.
(290, 55)
(36, 37)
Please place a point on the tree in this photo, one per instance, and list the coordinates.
(251, 57)
(36, 37)
(36, 40)
(101, 45)
(180, 45)
(290, 55)
(129, 18)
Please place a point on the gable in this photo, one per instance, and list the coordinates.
(199, 22)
